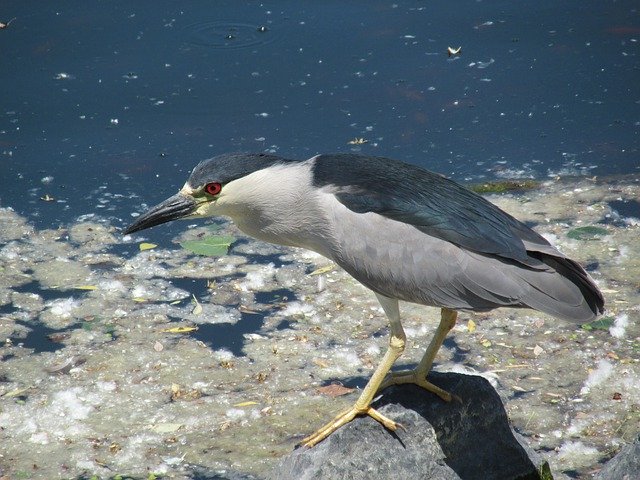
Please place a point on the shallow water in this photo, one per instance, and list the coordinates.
(109, 106)
(93, 381)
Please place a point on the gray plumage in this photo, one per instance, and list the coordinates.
(405, 233)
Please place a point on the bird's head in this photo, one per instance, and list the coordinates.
(208, 187)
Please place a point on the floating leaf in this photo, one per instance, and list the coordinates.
(197, 310)
(86, 287)
(471, 326)
(600, 324)
(334, 390)
(322, 270)
(147, 246)
(587, 233)
(320, 363)
(16, 393)
(179, 329)
(211, 246)
(245, 404)
(175, 302)
(139, 299)
(166, 427)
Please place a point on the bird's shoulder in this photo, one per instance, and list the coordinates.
(429, 201)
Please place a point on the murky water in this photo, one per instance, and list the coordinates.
(96, 379)
(107, 106)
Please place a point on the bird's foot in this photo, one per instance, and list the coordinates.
(344, 418)
(412, 376)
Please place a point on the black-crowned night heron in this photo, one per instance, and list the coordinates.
(402, 231)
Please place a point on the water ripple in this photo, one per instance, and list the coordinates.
(230, 35)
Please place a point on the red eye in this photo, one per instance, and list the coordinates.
(213, 188)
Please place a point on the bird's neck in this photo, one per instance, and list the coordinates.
(278, 205)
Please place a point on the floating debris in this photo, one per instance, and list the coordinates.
(64, 76)
(587, 233)
(454, 52)
(6, 24)
(167, 427)
(604, 323)
(86, 287)
(357, 141)
(147, 246)
(180, 329)
(323, 270)
(66, 366)
(505, 186)
(18, 392)
(197, 309)
(213, 246)
(334, 390)
(471, 326)
(180, 393)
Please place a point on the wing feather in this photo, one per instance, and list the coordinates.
(431, 203)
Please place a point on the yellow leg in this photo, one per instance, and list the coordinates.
(362, 405)
(418, 375)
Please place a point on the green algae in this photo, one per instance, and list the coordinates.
(503, 186)
(589, 232)
(601, 324)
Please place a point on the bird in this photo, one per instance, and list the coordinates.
(404, 232)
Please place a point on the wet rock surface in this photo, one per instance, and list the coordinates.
(108, 366)
(466, 439)
(625, 465)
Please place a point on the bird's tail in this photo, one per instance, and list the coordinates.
(566, 290)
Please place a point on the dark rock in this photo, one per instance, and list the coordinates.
(197, 472)
(467, 439)
(624, 466)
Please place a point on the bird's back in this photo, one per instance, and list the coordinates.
(411, 234)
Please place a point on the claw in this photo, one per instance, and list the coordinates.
(344, 418)
(411, 376)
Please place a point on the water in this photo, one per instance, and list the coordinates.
(107, 106)
(119, 100)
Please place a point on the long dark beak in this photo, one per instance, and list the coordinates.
(172, 208)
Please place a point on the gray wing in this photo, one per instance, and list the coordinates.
(431, 203)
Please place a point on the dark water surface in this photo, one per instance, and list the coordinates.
(108, 104)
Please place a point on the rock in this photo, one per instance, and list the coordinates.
(624, 466)
(197, 472)
(467, 439)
